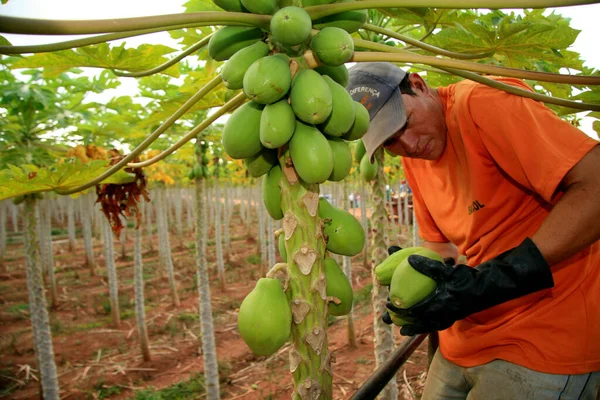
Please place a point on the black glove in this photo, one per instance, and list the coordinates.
(462, 290)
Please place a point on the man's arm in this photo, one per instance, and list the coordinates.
(446, 250)
(574, 222)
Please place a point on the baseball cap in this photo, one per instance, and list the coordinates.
(375, 85)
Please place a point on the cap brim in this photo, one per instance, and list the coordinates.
(390, 118)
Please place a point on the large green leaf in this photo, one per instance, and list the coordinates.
(100, 56)
(27, 179)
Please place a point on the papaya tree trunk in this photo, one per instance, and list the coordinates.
(261, 240)
(148, 210)
(38, 311)
(310, 359)
(347, 266)
(178, 202)
(14, 217)
(270, 240)
(71, 223)
(189, 209)
(46, 249)
(2, 232)
(164, 246)
(209, 349)
(86, 217)
(123, 240)
(364, 222)
(219, 237)
(227, 221)
(111, 273)
(384, 335)
(138, 285)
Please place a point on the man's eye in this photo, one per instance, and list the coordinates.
(390, 141)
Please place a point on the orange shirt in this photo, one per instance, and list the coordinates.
(493, 186)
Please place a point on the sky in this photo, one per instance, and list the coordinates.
(584, 18)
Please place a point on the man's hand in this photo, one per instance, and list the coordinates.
(462, 290)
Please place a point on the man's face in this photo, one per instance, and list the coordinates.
(424, 134)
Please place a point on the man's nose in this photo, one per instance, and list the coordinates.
(410, 142)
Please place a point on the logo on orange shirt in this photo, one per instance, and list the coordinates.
(475, 207)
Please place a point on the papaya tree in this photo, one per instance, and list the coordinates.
(293, 119)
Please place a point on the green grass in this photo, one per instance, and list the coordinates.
(253, 259)
(191, 389)
(188, 318)
(18, 308)
(363, 295)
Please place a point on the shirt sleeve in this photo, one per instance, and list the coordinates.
(428, 229)
(527, 140)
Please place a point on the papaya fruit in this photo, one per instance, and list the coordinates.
(399, 320)
(272, 192)
(409, 286)
(338, 74)
(191, 176)
(360, 126)
(337, 285)
(199, 171)
(267, 80)
(332, 46)
(229, 39)
(345, 235)
(241, 133)
(235, 68)
(261, 163)
(231, 5)
(342, 159)
(385, 270)
(309, 3)
(265, 317)
(260, 6)
(359, 151)
(368, 171)
(281, 247)
(311, 97)
(291, 26)
(342, 114)
(311, 154)
(350, 21)
(277, 124)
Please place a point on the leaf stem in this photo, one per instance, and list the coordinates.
(150, 139)
(34, 26)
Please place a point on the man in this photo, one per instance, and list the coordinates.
(502, 180)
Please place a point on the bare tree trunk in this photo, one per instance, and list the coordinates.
(148, 215)
(347, 265)
(178, 216)
(138, 285)
(86, 216)
(364, 222)
(2, 232)
(227, 221)
(219, 237)
(38, 312)
(211, 366)
(14, 216)
(270, 242)
(384, 335)
(71, 223)
(261, 240)
(111, 272)
(164, 245)
(123, 240)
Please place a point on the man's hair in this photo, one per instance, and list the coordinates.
(405, 87)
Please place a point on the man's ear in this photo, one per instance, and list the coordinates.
(416, 82)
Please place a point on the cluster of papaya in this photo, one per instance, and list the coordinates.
(407, 285)
(200, 169)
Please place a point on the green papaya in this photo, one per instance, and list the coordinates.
(260, 6)
(230, 39)
(345, 235)
(337, 285)
(409, 286)
(235, 68)
(198, 171)
(332, 46)
(231, 5)
(368, 171)
(241, 133)
(272, 192)
(359, 151)
(342, 159)
(342, 110)
(350, 21)
(265, 317)
(261, 163)
(281, 247)
(309, 3)
(267, 80)
(291, 26)
(311, 154)
(338, 73)
(399, 320)
(311, 97)
(385, 270)
(191, 176)
(277, 124)
(360, 126)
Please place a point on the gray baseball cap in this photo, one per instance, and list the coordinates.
(375, 85)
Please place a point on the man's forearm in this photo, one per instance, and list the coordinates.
(574, 222)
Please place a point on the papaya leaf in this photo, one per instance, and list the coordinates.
(4, 41)
(100, 56)
(26, 179)
(201, 5)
